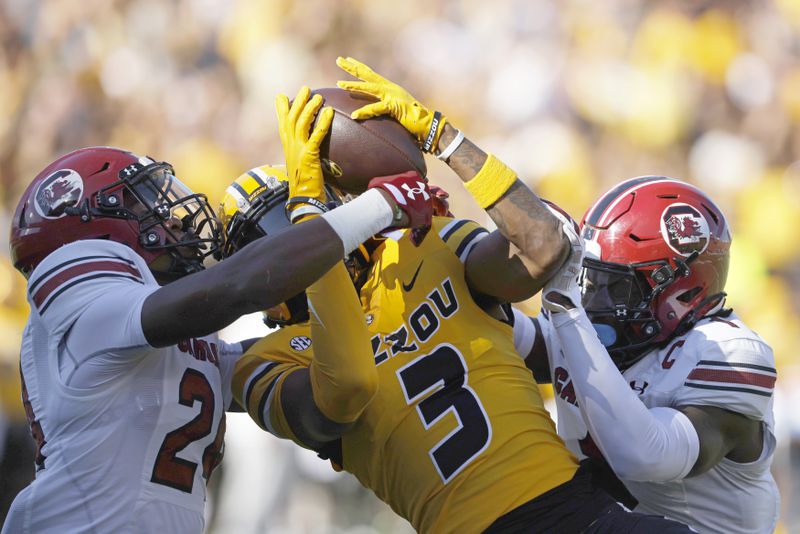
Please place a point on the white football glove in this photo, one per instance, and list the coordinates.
(565, 281)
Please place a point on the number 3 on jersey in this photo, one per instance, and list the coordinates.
(441, 378)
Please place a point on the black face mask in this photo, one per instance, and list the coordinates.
(617, 300)
(153, 196)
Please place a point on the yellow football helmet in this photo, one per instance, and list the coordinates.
(252, 207)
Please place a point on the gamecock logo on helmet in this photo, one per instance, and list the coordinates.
(684, 229)
(60, 190)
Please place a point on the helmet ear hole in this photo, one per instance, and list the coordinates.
(687, 296)
(105, 166)
(22, 222)
(711, 213)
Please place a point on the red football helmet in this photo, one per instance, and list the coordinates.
(657, 254)
(108, 193)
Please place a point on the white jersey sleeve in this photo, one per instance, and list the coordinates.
(524, 333)
(736, 370)
(88, 296)
(229, 354)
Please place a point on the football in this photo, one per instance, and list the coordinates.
(354, 152)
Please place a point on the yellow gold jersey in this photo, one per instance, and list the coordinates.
(457, 434)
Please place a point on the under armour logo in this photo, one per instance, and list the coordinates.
(412, 192)
(130, 170)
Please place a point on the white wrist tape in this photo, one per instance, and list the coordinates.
(639, 443)
(445, 154)
(360, 219)
(303, 210)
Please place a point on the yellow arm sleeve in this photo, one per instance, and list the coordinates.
(256, 387)
(343, 374)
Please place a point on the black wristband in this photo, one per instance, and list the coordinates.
(437, 119)
(315, 205)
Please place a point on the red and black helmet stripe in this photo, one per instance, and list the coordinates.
(596, 212)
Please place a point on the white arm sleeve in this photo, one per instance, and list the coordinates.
(524, 333)
(229, 354)
(640, 443)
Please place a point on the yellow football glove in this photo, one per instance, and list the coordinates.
(301, 151)
(393, 100)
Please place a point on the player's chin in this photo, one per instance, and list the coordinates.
(188, 246)
(191, 254)
(177, 258)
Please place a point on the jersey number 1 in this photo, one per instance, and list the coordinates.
(442, 376)
(169, 470)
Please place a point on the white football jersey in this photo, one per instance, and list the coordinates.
(722, 363)
(127, 434)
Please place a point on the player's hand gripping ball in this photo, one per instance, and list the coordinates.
(301, 149)
(356, 151)
(425, 125)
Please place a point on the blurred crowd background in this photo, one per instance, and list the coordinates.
(576, 95)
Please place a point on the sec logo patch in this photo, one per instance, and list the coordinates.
(300, 342)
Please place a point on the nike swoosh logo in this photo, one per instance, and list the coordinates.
(409, 286)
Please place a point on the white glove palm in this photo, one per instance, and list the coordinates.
(565, 281)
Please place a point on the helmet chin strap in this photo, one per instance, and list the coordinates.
(625, 357)
(296, 308)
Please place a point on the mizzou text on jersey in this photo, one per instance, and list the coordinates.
(457, 434)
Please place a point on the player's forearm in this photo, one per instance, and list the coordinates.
(265, 273)
(343, 375)
(273, 269)
(467, 160)
(524, 220)
(519, 214)
(657, 444)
